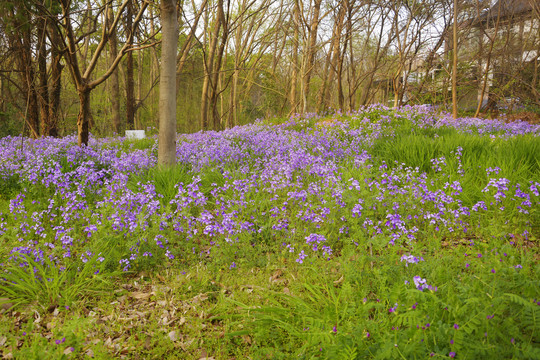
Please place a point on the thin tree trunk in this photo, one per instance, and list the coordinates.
(167, 84)
(455, 63)
(43, 91)
(114, 95)
(233, 98)
(534, 83)
(55, 84)
(27, 71)
(310, 57)
(215, 91)
(209, 70)
(130, 83)
(488, 64)
(296, 41)
(352, 68)
(154, 67)
(333, 60)
(138, 101)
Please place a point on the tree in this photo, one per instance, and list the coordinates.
(212, 66)
(114, 94)
(130, 83)
(167, 84)
(455, 61)
(82, 75)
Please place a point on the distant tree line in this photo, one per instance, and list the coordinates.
(94, 65)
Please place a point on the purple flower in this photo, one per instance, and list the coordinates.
(410, 259)
(301, 257)
(456, 326)
(452, 354)
(421, 284)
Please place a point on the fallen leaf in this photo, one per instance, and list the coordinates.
(140, 295)
(200, 298)
(68, 350)
(276, 275)
(108, 342)
(172, 336)
(148, 342)
(339, 281)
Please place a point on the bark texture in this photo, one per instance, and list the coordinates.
(167, 85)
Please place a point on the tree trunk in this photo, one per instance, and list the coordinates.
(43, 92)
(488, 64)
(130, 84)
(28, 74)
(296, 45)
(209, 70)
(55, 84)
(216, 75)
(83, 119)
(310, 56)
(137, 103)
(334, 63)
(455, 63)
(114, 95)
(339, 55)
(232, 117)
(535, 82)
(167, 84)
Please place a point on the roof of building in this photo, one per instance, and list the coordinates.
(508, 8)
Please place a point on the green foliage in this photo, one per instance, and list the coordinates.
(138, 144)
(10, 125)
(165, 180)
(47, 284)
(9, 186)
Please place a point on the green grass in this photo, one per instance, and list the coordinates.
(284, 310)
